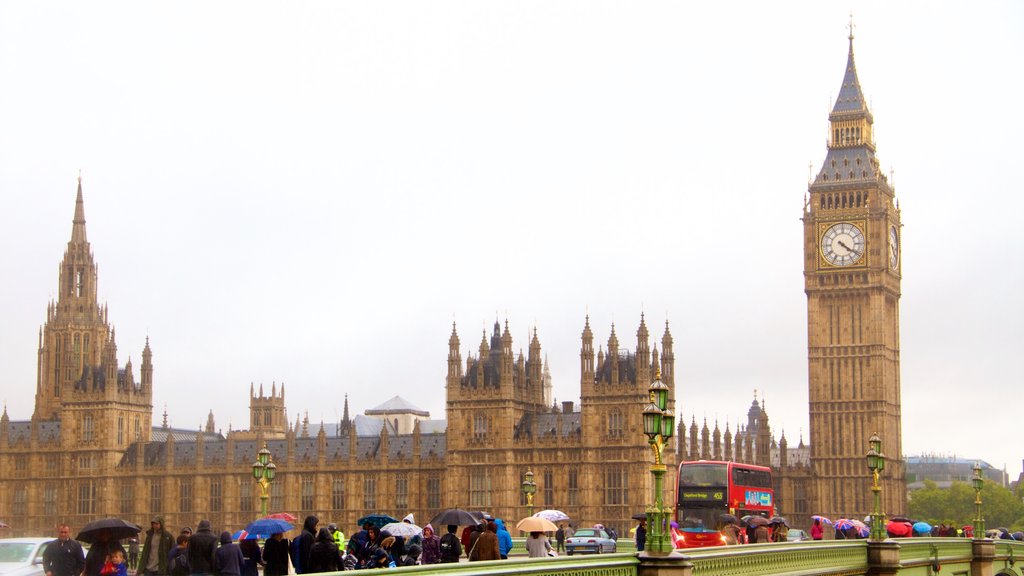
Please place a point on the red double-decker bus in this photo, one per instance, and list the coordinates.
(705, 490)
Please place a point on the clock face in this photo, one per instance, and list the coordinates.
(894, 248)
(842, 244)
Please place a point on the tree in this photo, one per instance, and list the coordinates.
(956, 505)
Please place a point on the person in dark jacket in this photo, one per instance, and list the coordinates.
(98, 552)
(275, 556)
(641, 536)
(155, 549)
(251, 552)
(228, 559)
(324, 555)
(202, 547)
(177, 559)
(64, 556)
(306, 540)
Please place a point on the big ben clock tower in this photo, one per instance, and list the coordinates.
(852, 266)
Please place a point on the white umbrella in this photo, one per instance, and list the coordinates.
(403, 529)
(553, 515)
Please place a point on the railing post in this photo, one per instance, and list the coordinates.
(883, 558)
(983, 555)
(663, 565)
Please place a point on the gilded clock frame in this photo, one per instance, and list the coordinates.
(862, 225)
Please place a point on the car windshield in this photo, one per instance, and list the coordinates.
(16, 551)
(588, 533)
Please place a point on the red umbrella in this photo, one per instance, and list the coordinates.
(283, 516)
(899, 529)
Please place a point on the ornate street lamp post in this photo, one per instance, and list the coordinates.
(978, 482)
(876, 463)
(263, 470)
(529, 488)
(659, 424)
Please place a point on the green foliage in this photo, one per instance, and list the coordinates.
(1000, 507)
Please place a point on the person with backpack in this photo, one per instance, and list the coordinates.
(451, 546)
(301, 546)
(324, 556)
(177, 558)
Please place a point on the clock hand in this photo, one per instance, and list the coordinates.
(840, 242)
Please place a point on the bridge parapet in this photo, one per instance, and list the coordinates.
(842, 557)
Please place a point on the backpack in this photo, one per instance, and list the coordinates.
(179, 565)
(294, 550)
(451, 548)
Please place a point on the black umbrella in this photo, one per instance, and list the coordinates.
(639, 516)
(757, 521)
(118, 529)
(728, 519)
(377, 520)
(779, 520)
(454, 517)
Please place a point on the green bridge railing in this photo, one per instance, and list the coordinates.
(902, 556)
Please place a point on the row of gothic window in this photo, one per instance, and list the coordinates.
(843, 200)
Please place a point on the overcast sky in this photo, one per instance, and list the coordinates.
(311, 193)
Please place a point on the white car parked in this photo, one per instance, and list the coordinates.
(22, 556)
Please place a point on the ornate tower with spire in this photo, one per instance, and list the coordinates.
(852, 270)
(78, 381)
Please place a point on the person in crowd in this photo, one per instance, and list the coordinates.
(537, 545)
(560, 539)
(338, 535)
(780, 532)
(451, 546)
(64, 556)
(251, 553)
(155, 549)
(115, 564)
(324, 555)
(817, 530)
(305, 544)
(177, 558)
(186, 531)
(411, 556)
(486, 545)
(356, 547)
(202, 547)
(504, 539)
(761, 534)
(730, 532)
(99, 551)
(613, 534)
(275, 555)
(228, 559)
(431, 546)
(641, 537)
(467, 538)
(133, 554)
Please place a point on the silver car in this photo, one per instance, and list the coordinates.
(589, 541)
(22, 556)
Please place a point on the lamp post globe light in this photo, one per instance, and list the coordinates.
(978, 483)
(529, 488)
(263, 471)
(876, 464)
(659, 424)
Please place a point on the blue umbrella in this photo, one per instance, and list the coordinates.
(922, 528)
(265, 527)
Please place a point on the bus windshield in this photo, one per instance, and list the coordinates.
(704, 475)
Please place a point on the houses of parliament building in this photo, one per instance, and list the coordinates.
(92, 448)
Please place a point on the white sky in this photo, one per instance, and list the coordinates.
(311, 192)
